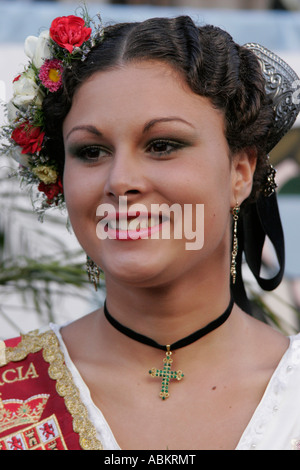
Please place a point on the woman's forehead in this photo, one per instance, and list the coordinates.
(148, 90)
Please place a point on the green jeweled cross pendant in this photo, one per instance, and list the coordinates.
(167, 374)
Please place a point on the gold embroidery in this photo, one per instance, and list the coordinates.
(17, 375)
(48, 342)
(15, 412)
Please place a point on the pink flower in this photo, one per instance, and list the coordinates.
(51, 74)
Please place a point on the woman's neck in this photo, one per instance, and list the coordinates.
(170, 312)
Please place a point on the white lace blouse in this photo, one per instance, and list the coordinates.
(275, 424)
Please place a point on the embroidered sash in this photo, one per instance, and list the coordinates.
(40, 406)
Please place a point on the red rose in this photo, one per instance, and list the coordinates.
(30, 138)
(51, 190)
(69, 32)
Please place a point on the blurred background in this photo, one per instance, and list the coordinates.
(42, 267)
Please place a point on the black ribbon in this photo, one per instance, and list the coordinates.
(258, 221)
(178, 344)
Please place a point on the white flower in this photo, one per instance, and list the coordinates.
(16, 153)
(37, 48)
(26, 91)
(12, 112)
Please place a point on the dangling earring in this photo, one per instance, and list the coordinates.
(235, 215)
(93, 272)
(269, 185)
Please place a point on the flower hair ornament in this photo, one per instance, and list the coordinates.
(69, 39)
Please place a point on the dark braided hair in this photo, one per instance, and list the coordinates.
(212, 64)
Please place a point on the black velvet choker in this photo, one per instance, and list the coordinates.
(166, 373)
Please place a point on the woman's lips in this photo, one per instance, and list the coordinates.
(124, 226)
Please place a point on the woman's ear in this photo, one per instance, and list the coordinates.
(242, 170)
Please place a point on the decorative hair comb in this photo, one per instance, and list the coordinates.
(281, 83)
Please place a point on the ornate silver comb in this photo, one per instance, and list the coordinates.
(281, 87)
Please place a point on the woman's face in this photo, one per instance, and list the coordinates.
(138, 133)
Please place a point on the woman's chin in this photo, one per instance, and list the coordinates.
(141, 275)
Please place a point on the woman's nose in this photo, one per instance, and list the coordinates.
(125, 176)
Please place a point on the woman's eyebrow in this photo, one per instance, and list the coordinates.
(89, 128)
(165, 119)
(95, 131)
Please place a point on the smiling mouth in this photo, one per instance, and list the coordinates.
(127, 227)
(134, 223)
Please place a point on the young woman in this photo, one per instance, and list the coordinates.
(148, 118)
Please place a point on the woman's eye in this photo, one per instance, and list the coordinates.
(91, 153)
(163, 147)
